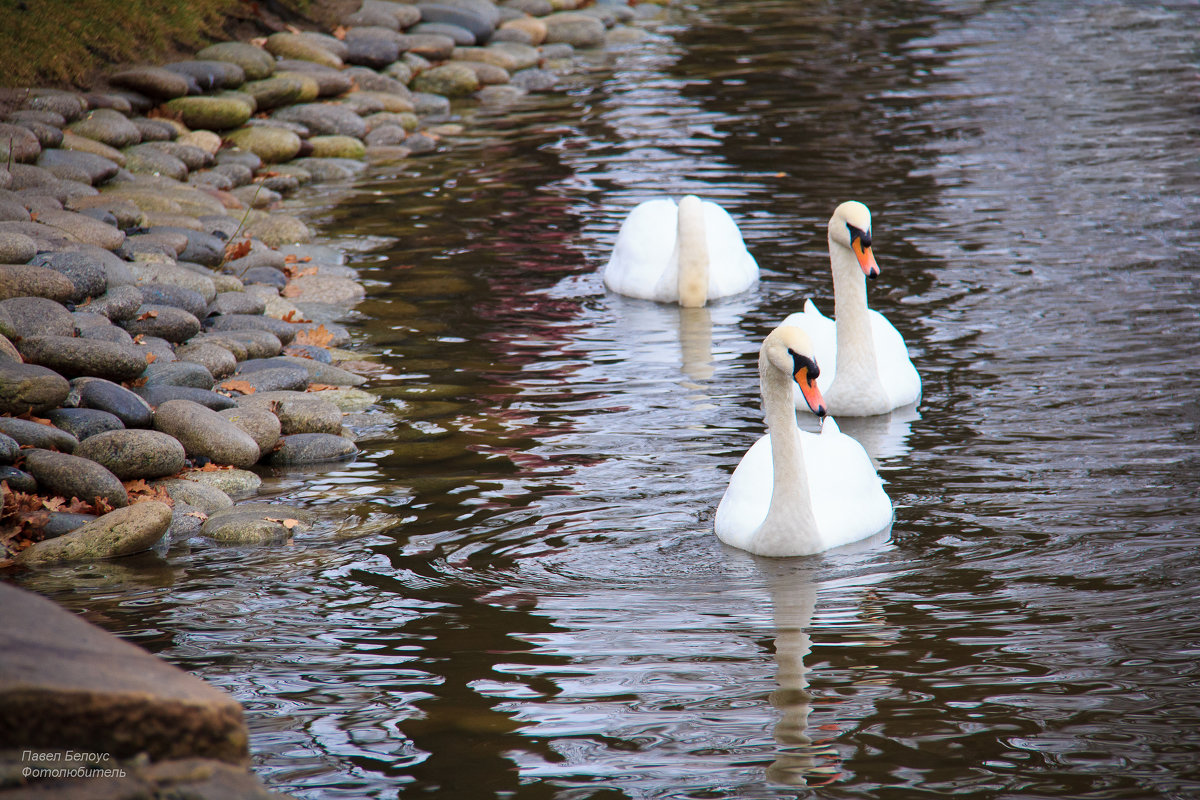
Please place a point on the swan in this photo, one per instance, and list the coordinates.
(687, 254)
(797, 493)
(868, 370)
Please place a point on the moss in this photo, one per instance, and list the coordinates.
(65, 42)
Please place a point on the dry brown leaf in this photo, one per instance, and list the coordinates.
(200, 515)
(320, 387)
(339, 32)
(294, 316)
(148, 315)
(287, 523)
(291, 291)
(235, 250)
(141, 337)
(151, 358)
(238, 386)
(317, 337)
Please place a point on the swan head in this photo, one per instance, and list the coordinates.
(789, 350)
(850, 227)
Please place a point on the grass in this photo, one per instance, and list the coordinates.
(65, 42)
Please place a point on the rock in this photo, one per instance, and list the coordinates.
(72, 356)
(285, 332)
(279, 91)
(324, 119)
(104, 395)
(237, 483)
(154, 130)
(460, 35)
(34, 434)
(89, 278)
(299, 46)
(574, 28)
(253, 343)
(325, 373)
(18, 144)
(29, 316)
(448, 79)
(372, 47)
(118, 303)
(211, 113)
(219, 362)
(132, 454)
(155, 82)
(84, 422)
(208, 499)
(165, 294)
(330, 82)
(298, 412)
(18, 480)
(104, 330)
(531, 29)
(236, 303)
(9, 449)
(487, 74)
(262, 425)
(255, 62)
(64, 475)
(311, 448)
(20, 280)
(406, 15)
(166, 322)
(118, 533)
(206, 434)
(279, 229)
(16, 248)
(62, 522)
(267, 276)
(81, 228)
(179, 373)
(65, 683)
(271, 379)
(256, 523)
(534, 79)
(431, 46)
(194, 158)
(176, 276)
(108, 127)
(271, 144)
(95, 169)
(337, 147)
(160, 393)
(210, 75)
(144, 159)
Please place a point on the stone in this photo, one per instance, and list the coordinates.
(278, 91)
(299, 46)
(311, 448)
(165, 294)
(87, 277)
(279, 229)
(330, 82)
(236, 303)
(373, 47)
(125, 405)
(534, 79)
(208, 499)
(264, 276)
(10, 449)
(324, 119)
(337, 147)
(73, 356)
(211, 113)
(84, 422)
(18, 144)
(531, 29)
(155, 82)
(65, 475)
(81, 228)
(21, 317)
(61, 523)
(460, 35)
(123, 532)
(206, 434)
(34, 434)
(18, 480)
(575, 29)
(155, 130)
(166, 322)
(94, 169)
(65, 683)
(219, 362)
(298, 412)
(178, 373)
(176, 276)
(256, 523)
(135, 453)
(205, 140)
(430, 46)
(252, 343)
(284, 331)
(405, 14)
(83, 144)
(255, 62)
(19, 280)
(210, 75)
(449, 80)
(48, 136)
(262, 425)
(118, 303)
(160, 393)
(108, 127)
(325, 373)
(237, 483)
(143, 159)
(271, 144)
(487, 74)
(271, 379)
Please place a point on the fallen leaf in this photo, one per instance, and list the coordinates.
(317, 337)
(151, 358)
(238, 386)
(148, 315)
(235, 250)
(28, 416)
(33, 215)
(139, 338)
(287, 523)
(291, 291)
(320, 387)
(200, 515)
(339, 32)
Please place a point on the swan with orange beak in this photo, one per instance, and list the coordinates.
(868, 370)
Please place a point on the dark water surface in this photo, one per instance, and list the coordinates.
(526, 598)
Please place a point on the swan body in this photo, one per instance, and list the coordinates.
(688, 254)
(798, 493)
(867, 369)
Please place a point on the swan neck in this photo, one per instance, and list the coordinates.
(693, 253)
(855, 347)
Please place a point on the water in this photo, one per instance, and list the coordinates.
(519, 593)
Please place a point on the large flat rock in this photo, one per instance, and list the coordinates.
(67, 684)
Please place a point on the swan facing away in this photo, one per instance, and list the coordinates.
(686, 254)
(867, 368)
(796, 493)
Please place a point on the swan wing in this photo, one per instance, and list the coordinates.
(849, 501)
(643, 262)
(731, 268)
(748, 496)
(896, 371)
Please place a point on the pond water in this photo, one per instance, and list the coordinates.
(522, 595)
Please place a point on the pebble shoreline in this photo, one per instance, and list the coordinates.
(163, 330)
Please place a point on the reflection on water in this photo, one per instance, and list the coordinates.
(519, 593)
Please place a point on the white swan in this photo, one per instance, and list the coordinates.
(796, 493)
(866, 365)
(687, 254)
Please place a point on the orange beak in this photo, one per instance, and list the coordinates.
(866, 259)
(812, 395)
